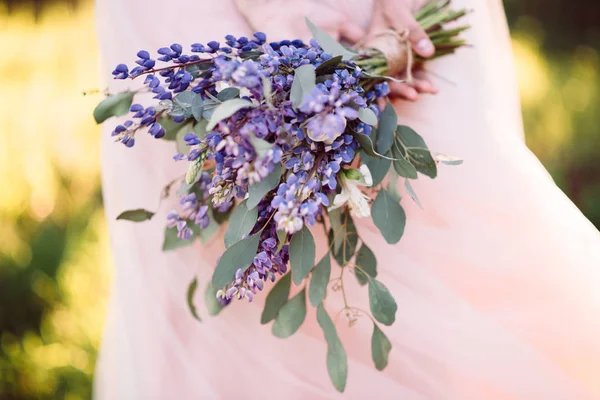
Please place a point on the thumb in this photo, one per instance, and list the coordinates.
(352, 31)
(418, 38)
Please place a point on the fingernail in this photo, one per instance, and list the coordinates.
(425, 47)
(412, 94)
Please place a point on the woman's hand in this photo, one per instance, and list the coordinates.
(398, 15)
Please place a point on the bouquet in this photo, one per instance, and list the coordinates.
(279, 138)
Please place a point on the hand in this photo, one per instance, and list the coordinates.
(398, 15)
(278, 22)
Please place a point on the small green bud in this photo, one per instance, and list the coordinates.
(352, 174)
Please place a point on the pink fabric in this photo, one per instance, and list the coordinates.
(496, 279)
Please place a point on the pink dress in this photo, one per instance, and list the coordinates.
(497, 279)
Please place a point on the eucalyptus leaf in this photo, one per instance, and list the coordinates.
(302, 254)
(241, 222)
(417, 150)
(113, 106)
(228, 93)
(380, 348)
(383, 305)
(366, 260)
(367, 145)
(179, 139)
(281, 237)
(226, 110)
(444, 159)
(388, 216)
(388, 121)
(337, 361)
(257, 191)
(267, 90)
(291, 316)
(190, 298)
(137, 215)
(367, 116)
(319, 281)
(213, 305)
(172, 242)
(200, 129)
(329, 44)
(411, 193)
(261, 146)
(403, 166)
(339, 230)
(221, 217)
(392, 186)
(171, 127)
(238, 256)
(303, 84)
(379, 167)
(349, 241)
(276, 298)
(207, 233)
(190, 103)
(329, 66)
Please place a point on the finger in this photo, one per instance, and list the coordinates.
(351, 31)
(418, 38)
(378, 23)
(423, 84)
(404, 91)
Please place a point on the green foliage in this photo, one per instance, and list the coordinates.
(386, 129)
(113, 106)
(380, 348)
(319, 281)
(337, 361)
(388, 216)
(367, 116)
(302, 254)
(329, 44)
(383, 305)
(417, 151)
(226, 110)
(291, 316)
(190, 298)
(304, 82)
(257, 191)
(137, 215)
(241, 222)
(276, 298)
(366, 260)
(238, 256)
(172, 242)
(213, 305)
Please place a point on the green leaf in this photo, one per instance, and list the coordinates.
(221, 217)
(417, 150)
(241, 222)
(277, 297)
(392, 186)
(349, 241)
(380, 348)
(383, 305)
(213, 305)
(444, 159)
(228, 93)
(367, 145)
(172, 242)
(403, 166)
(389, 217)
(267, 90)
(337, 361)
(190, 103)
(304, 82)
(207, 233)
(180, 142)
(226, 110)
(411, 193)
(257, 191)
(238, 256)
(281, 237)
(200, 129)
(329, 66)
(379, 167)
(339, 230)
(367, 262)
(319, 281)
(137, 215)
(260, 146)
(113, 106)
(302, 254)
(367, 116)
(190, 298)
(171, 127)
(329, 44)
(386, 128)
(291, 316)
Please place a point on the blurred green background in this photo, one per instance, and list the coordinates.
(54, 249)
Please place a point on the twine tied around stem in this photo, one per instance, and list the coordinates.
(396, 49)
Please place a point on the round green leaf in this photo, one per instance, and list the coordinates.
(386, 129)
(383, 305)
(277, 297)
(213, 305)
(241, 222)
(226, 110)
(257, 191)
(113, 106)
(304, 82)
(228, 93)
(137, 215)
(367, 116)
(388, 216)
(380, 348)
(238, 256)
(291, 316)
(302, 254)
(319, 281)
(379, 167)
